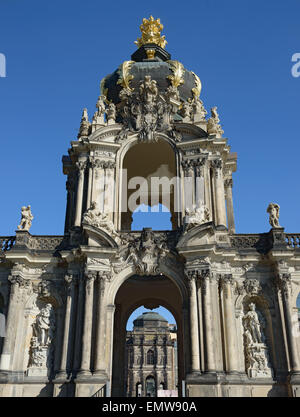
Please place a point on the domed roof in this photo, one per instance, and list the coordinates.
(152, 60)
(160, 71)
(150, 315)
(150, 319)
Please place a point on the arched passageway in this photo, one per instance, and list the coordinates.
(150, 292)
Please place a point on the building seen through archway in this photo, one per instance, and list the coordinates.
(67, 299)
(151, 357)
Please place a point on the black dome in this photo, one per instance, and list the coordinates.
(158, 70)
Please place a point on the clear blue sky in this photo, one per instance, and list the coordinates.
(57, 52)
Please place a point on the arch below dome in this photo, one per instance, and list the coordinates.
(145, 161)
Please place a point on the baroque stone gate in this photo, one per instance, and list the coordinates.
(66, 299)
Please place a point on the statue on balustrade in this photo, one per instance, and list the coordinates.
(26, 218)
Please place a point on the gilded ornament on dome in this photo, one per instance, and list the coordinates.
(125, 76)
(197, 89)
(178, 71)
(151, 30)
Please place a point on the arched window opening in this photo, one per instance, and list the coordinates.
(149, 179)
(150, 387)
(150, 357)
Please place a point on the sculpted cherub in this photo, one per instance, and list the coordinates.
(26, 218)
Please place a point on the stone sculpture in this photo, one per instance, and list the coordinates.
(44, 326)
(94, 217)
(252, 325)
(213, 123)
(256, 351)
(273, 210)
(26, 218)
(41, 349)
(147, 112)
(199, 111)
(111, 114)
(195, 217)
(186, 111)
(98, 118)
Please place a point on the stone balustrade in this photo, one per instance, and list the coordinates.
(6, 243)
(293, 240)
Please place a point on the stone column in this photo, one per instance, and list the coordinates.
(208, 190)
(188, 185)
(71, 282)
(226, 283)
(87, 323)
(209, 341)
(79, 319)
(110, 339)
(100, 341)
(230, 216)
(199, 181)
(285, 285)
(98, 185)
(91, 166)
(220, 211)
(81, 168)
(109, 191)
(194, 324)
(17, 282)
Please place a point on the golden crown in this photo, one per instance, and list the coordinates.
(151, 29)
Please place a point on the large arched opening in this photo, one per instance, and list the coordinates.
(148, 177)
(150, 292)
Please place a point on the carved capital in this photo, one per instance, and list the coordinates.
(187, 166)
(217, 165)
(228, 183)
(19, 281)
(192, 275)
(283, 282)
(81, 165)
(199, 165)
(71, 280)
(92, 162)
(226, 281)
(204, 279)
(103, 278)
(90, 276)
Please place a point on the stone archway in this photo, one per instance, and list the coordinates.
(150, 292)
(161, 163)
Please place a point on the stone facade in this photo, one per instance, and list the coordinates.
(66, 299)
(151, 352)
